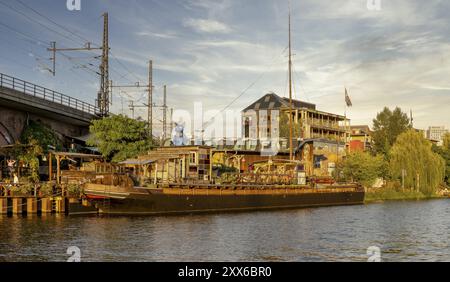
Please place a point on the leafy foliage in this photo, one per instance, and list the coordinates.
(74, 189)
(221, 169)
(24, 189)
(413, 153)
(42, 135)
(35, 140)
(119, 137)
(387, 126)
(29, 155)
(363, 167)
(228, 177)
(389, 193)
(444, 152)
(46, 189)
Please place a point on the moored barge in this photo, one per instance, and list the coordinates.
(184, 199)
(176, 180)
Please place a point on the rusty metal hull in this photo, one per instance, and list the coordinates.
(186, 201)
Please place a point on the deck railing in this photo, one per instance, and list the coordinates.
(45, 93)
(258, 178)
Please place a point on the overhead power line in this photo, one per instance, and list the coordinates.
(246, 89)
(77, 35)
(69, 36)
(29, 37)
(36, 21)
(124, 66)
(53, 22)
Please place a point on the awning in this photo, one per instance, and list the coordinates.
(83, 138)
(136, 162)
(76, 155)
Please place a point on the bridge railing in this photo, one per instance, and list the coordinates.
(45, 93)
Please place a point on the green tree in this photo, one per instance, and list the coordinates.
(387, 126)
(424, 168)
(35, 139)
(444, 152)
(363, 167)
(119, 137)
(41, 135)
(30, 156)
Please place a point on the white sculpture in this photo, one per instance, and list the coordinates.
(178, 136)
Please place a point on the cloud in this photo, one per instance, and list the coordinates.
(211, 50)
(155, 34)
(207, 26)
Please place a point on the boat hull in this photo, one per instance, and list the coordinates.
(186, 201)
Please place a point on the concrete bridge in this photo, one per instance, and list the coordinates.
(22, 101)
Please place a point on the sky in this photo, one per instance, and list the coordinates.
(229, 53)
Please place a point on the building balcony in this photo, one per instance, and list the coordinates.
(327, 126)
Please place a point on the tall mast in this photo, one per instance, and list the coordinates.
(150, 101)
(103, 96)
(290, 90)
(165, 113)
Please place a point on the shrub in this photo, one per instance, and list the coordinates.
(363, 167)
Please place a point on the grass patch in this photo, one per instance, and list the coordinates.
(391, 194)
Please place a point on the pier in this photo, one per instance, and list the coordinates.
(13, 203)
(27, 205)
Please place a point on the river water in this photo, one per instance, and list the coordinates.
(403, 231)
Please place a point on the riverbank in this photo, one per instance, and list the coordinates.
(389, 194)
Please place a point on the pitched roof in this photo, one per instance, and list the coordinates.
(360, 129)
(272, 101)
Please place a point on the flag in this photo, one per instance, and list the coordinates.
(347, 99)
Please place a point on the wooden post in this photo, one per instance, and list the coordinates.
(3, 205)
(50, 167)
(46, 205)
(211, 164)
(183, 168)
(61, 205)
(156, 173)
(166, 168)
(31, 205)
(175, 170)
(58, 170)
(17, 205)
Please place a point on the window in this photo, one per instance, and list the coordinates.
(193, 158)
(247, 128)
(318, 160)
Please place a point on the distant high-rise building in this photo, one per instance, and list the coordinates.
(436, 133)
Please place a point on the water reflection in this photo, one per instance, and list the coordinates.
(405, 231)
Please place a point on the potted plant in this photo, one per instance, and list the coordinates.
(73, 190)
(24, 189)
(46, 189)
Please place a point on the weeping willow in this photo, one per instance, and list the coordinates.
(425, 170)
